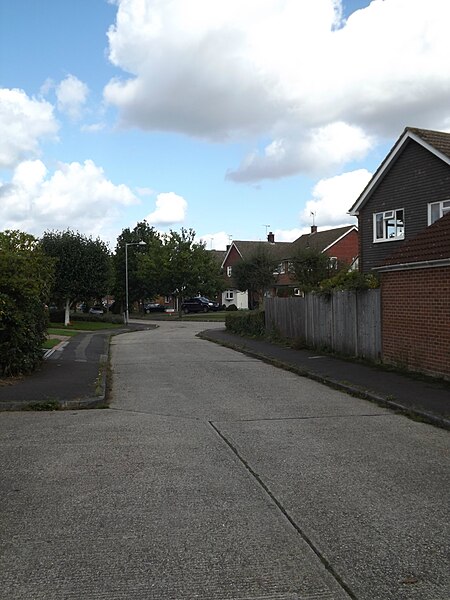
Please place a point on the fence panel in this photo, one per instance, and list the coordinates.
(347, 322)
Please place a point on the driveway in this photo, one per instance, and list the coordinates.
(216, 476)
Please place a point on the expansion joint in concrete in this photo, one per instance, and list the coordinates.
(286, 514)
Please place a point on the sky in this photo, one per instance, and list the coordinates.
(233, 118)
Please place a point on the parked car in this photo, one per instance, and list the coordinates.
(199, 304)
(98, 309)
(154, 307)
(212, 305)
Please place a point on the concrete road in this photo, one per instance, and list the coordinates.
(216, 476)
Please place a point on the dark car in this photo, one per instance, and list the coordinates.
(198, 304)
(212, 305)
(154, 307)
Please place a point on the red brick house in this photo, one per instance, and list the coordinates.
(340, 244)
(415, 302)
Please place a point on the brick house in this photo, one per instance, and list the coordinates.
(415, 302)
(409, 191)
(243, 250)
(339, 244)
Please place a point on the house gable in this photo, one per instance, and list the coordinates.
(435, 142)
(415, 177)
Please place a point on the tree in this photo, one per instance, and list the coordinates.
(145, 264)
(189, 268)
(82, 267)
(255, 274)
(310, 267)
(25, 281)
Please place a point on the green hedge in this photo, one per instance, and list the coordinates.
(249, 323)
(57, 316)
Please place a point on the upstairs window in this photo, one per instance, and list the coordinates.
(389, 226)
(229, 271)
(280, 269)
(333, 263)
(436, 210)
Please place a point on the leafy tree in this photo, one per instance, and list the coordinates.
(189, 269)
(25, 280)
(255, 274)
(82, 267)
(310, 267)
(145, 264)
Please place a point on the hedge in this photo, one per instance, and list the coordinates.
(249, 323)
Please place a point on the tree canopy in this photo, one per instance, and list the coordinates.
(26, 276)
(310, 267)
(82, 267)
(171, 264)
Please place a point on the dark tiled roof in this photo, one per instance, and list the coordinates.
(320, 240)
(277, 250)
(218, 255)
(433, 243)
(438, 139)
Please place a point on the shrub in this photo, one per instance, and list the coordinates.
(349, 280)
(231, 307)
(25, 279)
(57, 316)
(249, 323)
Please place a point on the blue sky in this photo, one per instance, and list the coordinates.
(220, 115)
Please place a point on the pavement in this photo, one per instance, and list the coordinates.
(75, 376)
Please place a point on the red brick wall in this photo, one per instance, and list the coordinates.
(416, 319)
(346, 249)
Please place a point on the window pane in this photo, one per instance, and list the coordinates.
(379, 233)
(400, 226)
(390, 229)
(435, 212)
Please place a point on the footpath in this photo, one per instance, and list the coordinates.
(419, 397)
(75, 376)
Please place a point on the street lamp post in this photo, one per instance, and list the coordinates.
(141, 243)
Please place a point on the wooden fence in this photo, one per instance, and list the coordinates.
(345, 322)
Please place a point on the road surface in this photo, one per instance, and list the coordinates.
(216, 476)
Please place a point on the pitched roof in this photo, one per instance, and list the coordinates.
(276, 250)
(321, 240)
(218, 255)
(436, 142)
(431, 244)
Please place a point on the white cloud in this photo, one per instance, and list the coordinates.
(283, 71)
(24, 122)
(333, 197)
(289, 235)
(319, 150)
(71, 95)
(76, 196)
(170, 209)
(215, 241)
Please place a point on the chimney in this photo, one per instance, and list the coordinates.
(313, 228)
(271, 238)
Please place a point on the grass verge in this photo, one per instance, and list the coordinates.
(83, 326)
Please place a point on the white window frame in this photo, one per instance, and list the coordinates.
(443, 210)
(229, 271)
(386, 216)
(280, 270)
(333, 263)
(229, 295)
